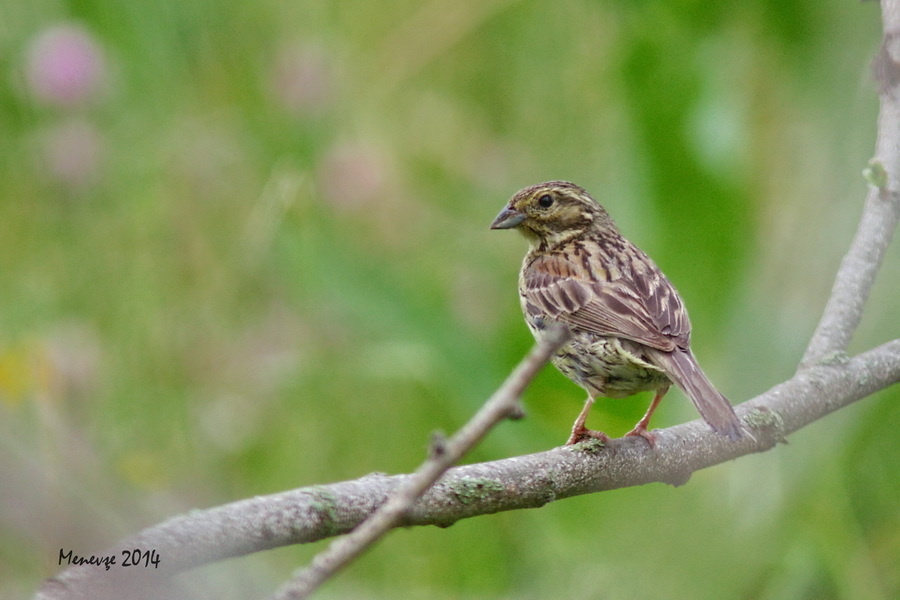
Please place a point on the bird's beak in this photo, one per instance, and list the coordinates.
(507, 219)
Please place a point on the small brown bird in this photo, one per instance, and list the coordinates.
(630, 331)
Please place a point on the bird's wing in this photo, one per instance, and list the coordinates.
(638, 303)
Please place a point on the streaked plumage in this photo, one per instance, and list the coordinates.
(630, 330)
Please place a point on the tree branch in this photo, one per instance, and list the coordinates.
(444, 453)
(313, 513)
(882, 208)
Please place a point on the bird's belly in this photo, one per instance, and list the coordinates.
(608, 366)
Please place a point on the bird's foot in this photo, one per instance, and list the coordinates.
(583, 433)
(640, 431)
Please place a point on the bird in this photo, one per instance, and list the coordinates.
(629, 328)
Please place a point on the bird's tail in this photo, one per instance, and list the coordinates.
(683, 369)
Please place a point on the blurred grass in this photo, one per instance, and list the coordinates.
(252, 253)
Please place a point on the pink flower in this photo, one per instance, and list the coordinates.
(65, 66)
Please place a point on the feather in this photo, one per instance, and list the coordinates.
(608, 309)
(682, 368)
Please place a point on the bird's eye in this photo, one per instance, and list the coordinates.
(545, 201)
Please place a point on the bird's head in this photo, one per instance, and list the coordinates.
(551, 213)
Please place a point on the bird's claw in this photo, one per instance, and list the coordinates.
(642, 432)
(582, 433)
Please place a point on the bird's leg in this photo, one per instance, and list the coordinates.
(579, 431)
(641, 428)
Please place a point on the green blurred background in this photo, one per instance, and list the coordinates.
(244, 247)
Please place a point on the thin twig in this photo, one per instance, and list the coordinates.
(880, 214)
(857, 274)
(444, 454)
